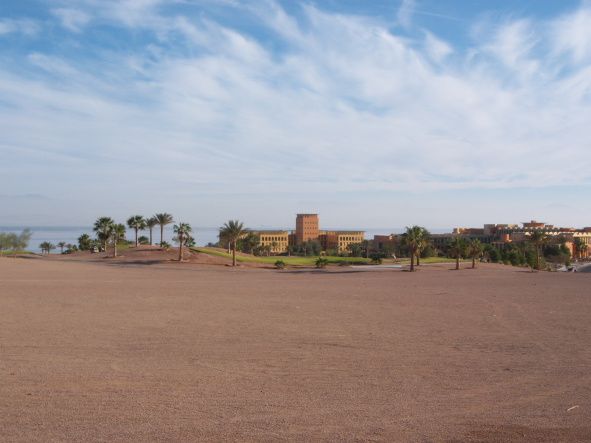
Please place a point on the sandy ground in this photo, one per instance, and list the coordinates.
(124, 351)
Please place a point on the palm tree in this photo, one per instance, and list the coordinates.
(163, 219)
(117, 233)
(538, 238)
(475, 250)
(46, 247)
(411, 238)
(580, 248)
(182, 230)
(61, 245)
(150, 223)
(424, 240)
(137, 223)
(457, 247)
(231, 232)
(102, 227)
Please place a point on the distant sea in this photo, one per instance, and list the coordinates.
(202, 235)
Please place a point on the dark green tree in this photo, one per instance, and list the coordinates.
(137, 223)
(117, 233)
(150, 223)
(163, 219)
(182, 231)
(475, 250)
(103, 227)
(412, 239)
(538, 238)
(84, 242)
(232, 231)
(456, 249)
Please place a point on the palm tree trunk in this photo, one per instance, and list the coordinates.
(151, 236)
(418, 258)
(234, 253)
(412, 261)
(180, 247)
(161, 234)
(473, 262)
(538, 257)
(115, 248)
(136, 237)
(457, 262)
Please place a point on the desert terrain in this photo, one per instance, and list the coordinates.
(142, 349)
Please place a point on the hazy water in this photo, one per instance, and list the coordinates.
(203, 236)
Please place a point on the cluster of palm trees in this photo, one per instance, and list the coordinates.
(417, 239)
(110, 232)
(140, 223)
(460, 247)
(46, 247)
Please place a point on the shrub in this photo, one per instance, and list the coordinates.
(165, 245)
(321, 262)
(376, 259)
(344, 263)
(280, 264)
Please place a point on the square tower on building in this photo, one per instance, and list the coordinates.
(306, 227)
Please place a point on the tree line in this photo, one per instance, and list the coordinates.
(13, 242)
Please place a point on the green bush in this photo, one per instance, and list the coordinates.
(321, 262)
(376, 259)
(280, 264)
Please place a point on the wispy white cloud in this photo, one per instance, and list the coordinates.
(572, 34)
(19, 26)
(436, 48)
(406, 12)
(513, 44)
(72, 19)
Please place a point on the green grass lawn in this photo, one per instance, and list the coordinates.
(310, 261)
(293, 261)
(6, 253)
(428, 260)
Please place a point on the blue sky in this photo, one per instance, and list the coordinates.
(373, 113)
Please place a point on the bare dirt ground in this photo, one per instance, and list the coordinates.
(107, 351)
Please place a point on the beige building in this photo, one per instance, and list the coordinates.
(502, 235)
(340, 240)
(278, 241)
(307, 230)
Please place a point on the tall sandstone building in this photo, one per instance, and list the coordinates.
(306, 228)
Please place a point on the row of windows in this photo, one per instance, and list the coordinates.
(278, 239)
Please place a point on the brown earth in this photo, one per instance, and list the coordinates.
(95, 350)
